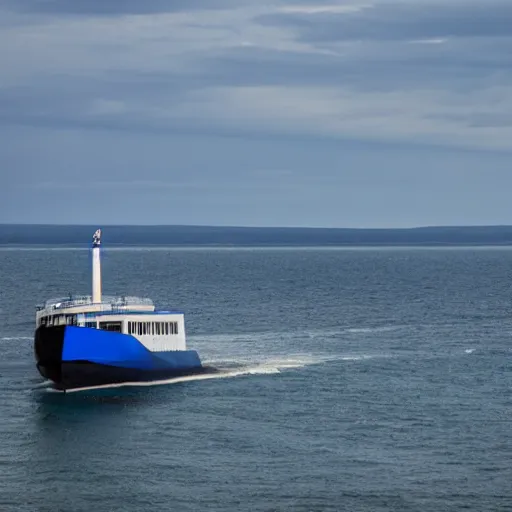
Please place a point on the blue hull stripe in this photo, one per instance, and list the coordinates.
(121, 350)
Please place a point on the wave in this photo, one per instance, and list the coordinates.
(14, 338)
(367, 330)
(359, 357)
(43, 385)
(277, 341)
(222, 370)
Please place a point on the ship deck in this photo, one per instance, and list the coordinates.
(85, 304)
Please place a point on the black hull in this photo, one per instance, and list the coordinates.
(48, 346)
(84, 374)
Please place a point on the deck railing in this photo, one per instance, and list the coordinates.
(108, 302)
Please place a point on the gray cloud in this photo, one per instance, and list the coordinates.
(355, 112)
(401, 21)
(419, 72)
(113, 7)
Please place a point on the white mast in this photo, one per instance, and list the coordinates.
(96, 267)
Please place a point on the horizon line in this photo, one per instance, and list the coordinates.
(230, 226)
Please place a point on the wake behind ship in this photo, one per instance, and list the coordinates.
(92, 341)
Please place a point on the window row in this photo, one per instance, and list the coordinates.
(58, 320)
(153, 328)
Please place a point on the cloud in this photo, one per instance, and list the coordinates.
(437, 117)
(101, 107)
(420, 71)
(398, 20)
(438, 40)
(323, 9)
(114, 7)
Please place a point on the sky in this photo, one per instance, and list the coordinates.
(348, 113)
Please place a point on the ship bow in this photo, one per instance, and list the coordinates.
(48, 347)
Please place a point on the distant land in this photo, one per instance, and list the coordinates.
(80, 236)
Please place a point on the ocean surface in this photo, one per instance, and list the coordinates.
(351, 380)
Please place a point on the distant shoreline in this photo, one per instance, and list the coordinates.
(117, 236)
(45, 247)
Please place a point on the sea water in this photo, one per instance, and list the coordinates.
(358, 380)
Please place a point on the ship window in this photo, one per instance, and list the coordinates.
(139, 328)
(158, 328)
(175, 327)
(129, 327)
(71, 320)
(111, 326)
(166, 328)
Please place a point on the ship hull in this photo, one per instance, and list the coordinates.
(80, 357)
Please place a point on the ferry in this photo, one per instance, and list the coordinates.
(95, 341)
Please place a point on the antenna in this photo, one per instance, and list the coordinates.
(96, 238)
(96, 267)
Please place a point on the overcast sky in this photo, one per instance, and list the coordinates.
(349, 113)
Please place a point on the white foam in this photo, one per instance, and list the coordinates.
(13, 338)
(368, 330)
(363, 357)
(176, 380)
(469, 350)
(266, 368)
(43, 385)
